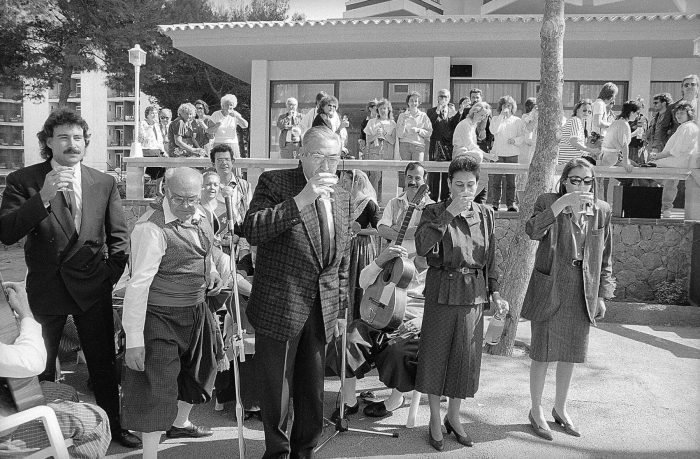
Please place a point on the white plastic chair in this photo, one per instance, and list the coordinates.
(413, 410)
(58, 446)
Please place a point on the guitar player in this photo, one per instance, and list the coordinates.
(394, 354)
(390, 223)
(86, 424)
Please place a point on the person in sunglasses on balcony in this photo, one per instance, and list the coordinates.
(571, 278)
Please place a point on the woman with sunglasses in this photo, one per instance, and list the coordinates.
(575, 132)
(571, 277)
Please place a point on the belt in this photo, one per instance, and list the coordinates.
(576, 262)
(462, 270)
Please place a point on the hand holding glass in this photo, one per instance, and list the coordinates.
(327, 182)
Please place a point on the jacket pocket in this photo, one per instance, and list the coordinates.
(538, 304)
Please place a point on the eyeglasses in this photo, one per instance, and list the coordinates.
(443, 96)
(164, 117)
(689, 84)
(577, 180)
(223, 160)
(199, 107)
(182, 200)
(331, 160)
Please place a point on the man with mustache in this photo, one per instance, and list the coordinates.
(396, 208)
(75, 251)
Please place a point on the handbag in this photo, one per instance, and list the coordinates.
(443, 152)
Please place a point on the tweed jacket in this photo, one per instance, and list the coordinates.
(68, 271)
(598, 280)
(288, 273)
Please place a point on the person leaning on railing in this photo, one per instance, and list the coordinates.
(681, 151)
(181, 133)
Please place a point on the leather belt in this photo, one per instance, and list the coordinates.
(576, 262)
(462, 270)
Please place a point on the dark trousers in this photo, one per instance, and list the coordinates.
(294, 367)
(437, 183)
(495, 181)
(96, 332)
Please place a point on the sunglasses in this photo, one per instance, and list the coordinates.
(577, 180)
(689, 84)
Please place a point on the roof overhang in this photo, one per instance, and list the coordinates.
(232, 46)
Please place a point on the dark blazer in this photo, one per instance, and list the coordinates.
(67, 272)
(598, 280)
(288, 270)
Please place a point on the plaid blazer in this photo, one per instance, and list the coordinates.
(288, 271)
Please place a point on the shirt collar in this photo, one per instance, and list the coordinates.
(75, 167)
(171, 217)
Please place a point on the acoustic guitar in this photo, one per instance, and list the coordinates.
(384, 302)
(25, 392)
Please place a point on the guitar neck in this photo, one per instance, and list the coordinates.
(404, 224)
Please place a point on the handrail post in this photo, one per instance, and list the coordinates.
(134, 181)
(692, 195)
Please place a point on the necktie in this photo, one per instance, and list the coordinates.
(69, 202)
(325, 234)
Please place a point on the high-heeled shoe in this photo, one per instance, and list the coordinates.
(437, 444)
(539, 431)
(462, 439)
(567, 426)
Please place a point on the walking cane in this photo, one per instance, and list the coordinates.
(233, 307)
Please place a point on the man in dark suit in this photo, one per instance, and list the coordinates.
(75, 251)
(301, 280)
(444, 122)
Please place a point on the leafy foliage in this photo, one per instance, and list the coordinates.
(672, 292)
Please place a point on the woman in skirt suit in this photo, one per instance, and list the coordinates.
(457, 238)
(572, 275)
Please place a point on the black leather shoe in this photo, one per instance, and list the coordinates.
(126, 439)
(378, 409)
(348, 410)
(539, 431)
(568, 427)
(191, 431)
(512, 209)
(462, 440)
(437, 444)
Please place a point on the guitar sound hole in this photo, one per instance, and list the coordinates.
(388, 272)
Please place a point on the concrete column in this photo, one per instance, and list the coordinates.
(259, 115)
(94, 108)
(640, 80)
(441, 75)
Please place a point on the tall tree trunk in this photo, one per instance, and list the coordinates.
(66, 75)
(521, 255)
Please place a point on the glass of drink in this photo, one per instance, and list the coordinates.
(330, 180)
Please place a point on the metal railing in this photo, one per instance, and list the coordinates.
(255, 166)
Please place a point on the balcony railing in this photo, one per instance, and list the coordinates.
(136, 166)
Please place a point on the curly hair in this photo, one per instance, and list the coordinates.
(60, 117)
(685, 106)
(463, 164)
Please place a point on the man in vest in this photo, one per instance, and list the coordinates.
(169, 330)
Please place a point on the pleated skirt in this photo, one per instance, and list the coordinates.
(362, 253)
(449, 354)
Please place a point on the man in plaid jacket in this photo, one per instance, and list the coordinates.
(301, 280)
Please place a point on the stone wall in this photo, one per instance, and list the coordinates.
(645, 252)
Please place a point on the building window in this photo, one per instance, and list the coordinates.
(672, 87)
(352, 95)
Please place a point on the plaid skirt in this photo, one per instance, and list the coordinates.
(180, 365)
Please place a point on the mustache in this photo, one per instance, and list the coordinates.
(71, 150)
(412, 185)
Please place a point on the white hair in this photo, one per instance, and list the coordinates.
(292, 100)
(186, 108)
(229, 99)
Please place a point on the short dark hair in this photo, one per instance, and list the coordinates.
(203, 104)
(628, 108)
(414, 94)
(530, 104)
(664, 97)
(608, 91)
(463, 164)
(221, 148)
(571, 165)
(580, 103)
(413, 165)
(150, 109)
(320, 96)
(60, 117)
(474, 91)
(325, 101)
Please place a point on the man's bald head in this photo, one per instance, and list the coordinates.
(183, 186)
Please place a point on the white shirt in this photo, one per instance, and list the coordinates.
(465, 135)
(76, 194)
(414, 291)
(151, 137)
(148, 246)
(504, 129)
(394, 213)
(241, 200)
(226, 133)
(26, 357)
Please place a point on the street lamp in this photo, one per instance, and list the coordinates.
(137, 57)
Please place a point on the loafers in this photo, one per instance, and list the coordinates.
(462, 440)
(539, 431)
(126, 439)
(568, 427)
(348, 410)
(191, 431)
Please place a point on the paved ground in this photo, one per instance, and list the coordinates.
(638, 396)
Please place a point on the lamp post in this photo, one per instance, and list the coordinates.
(137, 57)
